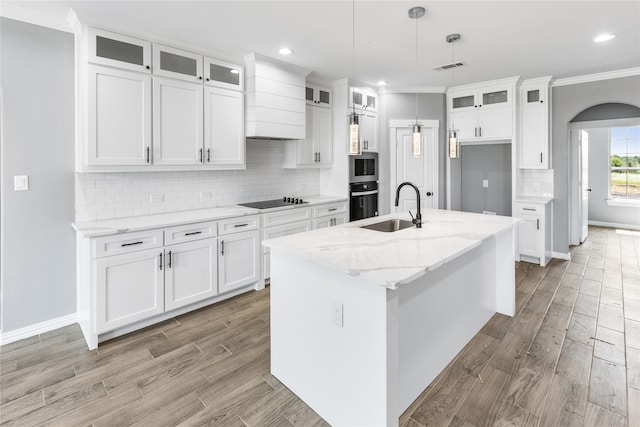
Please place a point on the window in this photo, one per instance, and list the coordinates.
(625, 163)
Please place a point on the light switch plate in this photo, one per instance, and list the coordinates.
(21, 182)
(485, 183)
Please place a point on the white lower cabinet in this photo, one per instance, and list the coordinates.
(330, 214)
(190, 272)
(137, 278)
(239, 260)
(129, 288)
(534, 233)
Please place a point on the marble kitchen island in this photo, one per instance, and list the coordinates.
(362, 321)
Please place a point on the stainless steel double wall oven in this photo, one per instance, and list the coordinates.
(363, 186)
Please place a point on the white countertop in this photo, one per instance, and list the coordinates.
(146, 222)
(534, 199)
(396, 258)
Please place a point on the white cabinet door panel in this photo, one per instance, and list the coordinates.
(129, 288)
(119, 117)
(306, 147)
(190, 272)
(177, 122)
(239, 260)
(224, 127)
(528, 236)
(495, 122)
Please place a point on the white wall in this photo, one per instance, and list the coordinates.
(599, 210)
(38, 243)
(112, 195)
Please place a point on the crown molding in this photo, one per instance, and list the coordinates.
(31, 16)
(596, 77)
(418, 89)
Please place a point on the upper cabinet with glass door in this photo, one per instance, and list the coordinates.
(534, 118)
(117, 50)
(483, 112)
(223, 74)
(364, 99)
(318, 96)
(177, 63)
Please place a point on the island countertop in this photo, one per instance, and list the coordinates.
(395, 258)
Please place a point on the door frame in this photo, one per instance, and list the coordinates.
(432, 126)
(575, 223)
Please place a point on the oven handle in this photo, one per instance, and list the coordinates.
(364, 193)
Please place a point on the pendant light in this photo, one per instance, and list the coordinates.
(416, 142)
(454, 143)
(355, 148)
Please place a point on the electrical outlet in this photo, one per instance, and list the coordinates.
(156, 198)
(336, 313)
(21, 183)
(485, 183)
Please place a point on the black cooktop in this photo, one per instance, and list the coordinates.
(276, 203)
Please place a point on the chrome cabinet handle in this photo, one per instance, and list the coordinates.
(193, 233)
(201, 155)
(222, 247)
(540, 157)
(241, 225)
(169, 255)
(333, 209)
(480, 131)
(475, 130)
(160, 261)
(131, 244)
(538, 224)
(148, 154)
(208, 155)
(529, 209)
(318, 157)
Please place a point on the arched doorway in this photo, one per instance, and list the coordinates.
(592, 126)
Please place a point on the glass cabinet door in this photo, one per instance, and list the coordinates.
(324, 97)
(120, 51)
(498, 97)
(371, 102)
(223, 74)
(176, 63)
(463, 101)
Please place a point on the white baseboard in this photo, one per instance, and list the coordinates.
(560, 255)
(615, 225)
(38, 328)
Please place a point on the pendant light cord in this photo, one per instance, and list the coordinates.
(417, 69)
(353, 49)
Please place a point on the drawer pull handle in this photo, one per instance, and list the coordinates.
(193, 233)
(222, 247)
(333, 209)
(160, 261)
(240, 225)
(169, 260)
(131, 244)
(528, 209)
(537, 224)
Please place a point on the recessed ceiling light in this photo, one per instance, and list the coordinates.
(382, 83)
(604, 38)
(285, 51)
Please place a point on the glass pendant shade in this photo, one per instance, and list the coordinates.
(416, 142)
(454, 145)
(354, 135)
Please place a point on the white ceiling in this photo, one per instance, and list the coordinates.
(499, 38)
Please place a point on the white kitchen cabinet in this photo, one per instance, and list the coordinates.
(283, 223)
(129, 288)
(224, 142)
(239, 260)
(118, 117)
(534, 233)
(223, 74)
(117, 50)
(177, 122)
(363, 99)
(177, 63)
(330, 214)
(190, 272)
(534, 115)
(318, 96)
(483, 112)
(316, 150)
(369, 130)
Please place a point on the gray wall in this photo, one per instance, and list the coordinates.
(398, 106)
(568, 102)
(599, 210)
(38, 244)
(491, 163)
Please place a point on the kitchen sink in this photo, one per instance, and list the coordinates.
(389, 225)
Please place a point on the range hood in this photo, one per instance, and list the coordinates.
(275, 101)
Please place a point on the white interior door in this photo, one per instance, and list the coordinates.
(583, 182)
(421, 171)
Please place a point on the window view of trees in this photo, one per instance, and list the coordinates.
(625, 163)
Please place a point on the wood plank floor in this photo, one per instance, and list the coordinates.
(570, 357)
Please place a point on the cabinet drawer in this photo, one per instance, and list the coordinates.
(236, 225)
(530, 209)
(284, 230)
(190, 232)
(286, 216)
(329, 209)
(126, 243)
